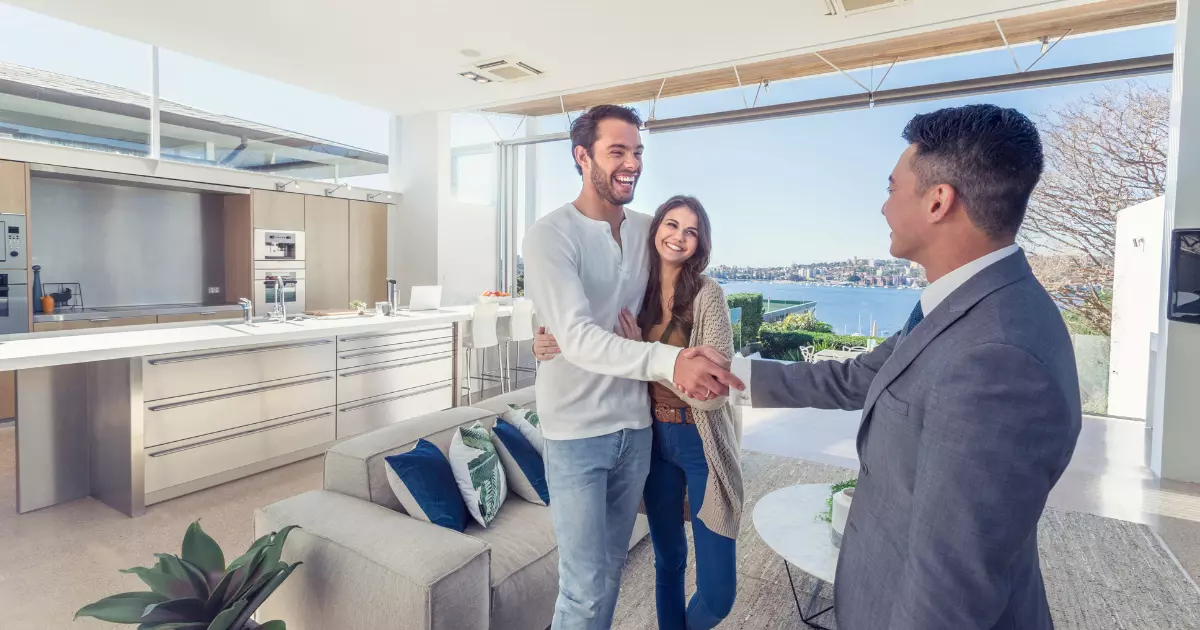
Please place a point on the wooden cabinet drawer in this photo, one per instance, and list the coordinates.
(169, 375)
(393, 376)
(185, 417)
(196, 459)
(372, 413)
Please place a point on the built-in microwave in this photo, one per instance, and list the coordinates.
(281, 248)
(267, 286)
(12, 226)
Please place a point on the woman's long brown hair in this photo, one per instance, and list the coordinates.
(688, 283)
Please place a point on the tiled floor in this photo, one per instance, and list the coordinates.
(55, 560)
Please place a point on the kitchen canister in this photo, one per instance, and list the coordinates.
(841, 509)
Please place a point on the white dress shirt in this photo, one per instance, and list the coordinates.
(579, 279)
(931, 297)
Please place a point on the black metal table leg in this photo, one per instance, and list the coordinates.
(813, 595)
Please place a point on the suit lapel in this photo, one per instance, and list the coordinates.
(993, 278)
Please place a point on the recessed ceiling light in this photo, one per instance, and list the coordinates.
(469, 52)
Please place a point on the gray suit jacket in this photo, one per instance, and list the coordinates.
(967, 424)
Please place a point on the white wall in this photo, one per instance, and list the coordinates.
(436, 239)
(1136, 281)
(1176, 424)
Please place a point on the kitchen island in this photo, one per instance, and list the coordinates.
(140, 415)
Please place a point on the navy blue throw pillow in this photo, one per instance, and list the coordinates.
(527, 459)
(424, 484)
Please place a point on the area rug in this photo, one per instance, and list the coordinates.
(1100, 573)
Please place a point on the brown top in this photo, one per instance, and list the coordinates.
(660, 393)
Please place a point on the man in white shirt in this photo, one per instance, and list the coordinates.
(584, 263)
(970, 413)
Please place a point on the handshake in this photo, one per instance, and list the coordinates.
(701, 373)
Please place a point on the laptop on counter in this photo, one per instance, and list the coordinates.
(426, 299)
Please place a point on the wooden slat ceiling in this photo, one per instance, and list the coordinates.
(1088, 18)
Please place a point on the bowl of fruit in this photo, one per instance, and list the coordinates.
(499, 297)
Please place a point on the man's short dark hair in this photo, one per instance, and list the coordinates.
(991, 155)
(585, 128)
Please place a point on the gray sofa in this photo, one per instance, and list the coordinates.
(367, 564)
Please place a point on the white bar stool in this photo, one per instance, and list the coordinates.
(520, 328)
(482, 336)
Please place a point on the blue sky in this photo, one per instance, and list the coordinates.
(792, 190)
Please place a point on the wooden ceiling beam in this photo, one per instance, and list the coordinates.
(1088, 18)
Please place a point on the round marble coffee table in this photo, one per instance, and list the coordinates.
(786, 520)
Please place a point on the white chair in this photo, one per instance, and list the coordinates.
(482, 336)
(520, 328)
(807, 353)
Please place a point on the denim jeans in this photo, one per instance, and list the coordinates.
(677, 464)
(595, 489)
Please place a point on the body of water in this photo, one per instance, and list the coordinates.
(847, 309)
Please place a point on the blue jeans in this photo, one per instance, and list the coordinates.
(677, 465)
(595, 488)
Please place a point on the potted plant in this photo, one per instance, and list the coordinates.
(196, 590)
(837, 508)
(359, 307)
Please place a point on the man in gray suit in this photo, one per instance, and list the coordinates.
(970, 414)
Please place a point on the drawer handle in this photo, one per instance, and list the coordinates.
(101, 319)
(395, 348)
(390, 334)
(179, 449)
(208, 313)
(234, 353)
(440, 357)
(423, 390)
(256, 390)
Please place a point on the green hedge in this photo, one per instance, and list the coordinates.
(777, 343)
(752, 313)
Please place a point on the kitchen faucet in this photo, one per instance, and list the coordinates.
(279, 313)
(247, 310)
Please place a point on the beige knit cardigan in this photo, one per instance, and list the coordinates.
(717, 422)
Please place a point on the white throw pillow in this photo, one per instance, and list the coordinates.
(526, 421)
(478, 472)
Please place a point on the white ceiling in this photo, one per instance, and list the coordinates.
(404, 56)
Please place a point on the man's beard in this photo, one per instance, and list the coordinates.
(604, 187)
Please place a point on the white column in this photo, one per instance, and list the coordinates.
(1176, 421)
(155, 126)
(413, 167)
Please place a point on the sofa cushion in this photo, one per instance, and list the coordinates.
(499, 404)
(524, 565)
(478, 472)
(424, 484)
(523, 465)
(356, 467)
(368, 567)
(526, 420)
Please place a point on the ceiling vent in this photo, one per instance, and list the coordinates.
(851, 7)
(504, 70)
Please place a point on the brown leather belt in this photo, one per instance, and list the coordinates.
(672, 415)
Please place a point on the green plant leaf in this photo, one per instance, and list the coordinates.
(274, 550)
(201, 550)
(249, 555)
(187, 625)
(273, 625)
(224, 621)
(262, 594)
(235, 582)
(187, 609)
(260, 582)
(160, 580)
(121, 608)
(181, 569)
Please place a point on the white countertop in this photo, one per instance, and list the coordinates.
(45, 350)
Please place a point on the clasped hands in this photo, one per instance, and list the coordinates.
(701, 373)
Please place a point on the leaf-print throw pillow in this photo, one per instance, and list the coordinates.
(526, 421)
(478, 472)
